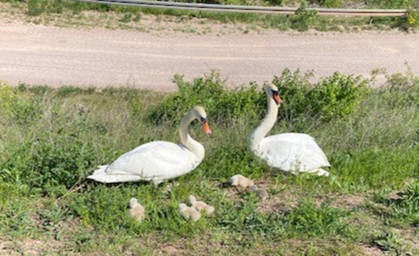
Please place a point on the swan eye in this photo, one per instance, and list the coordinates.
(203, 120)
(275, 92)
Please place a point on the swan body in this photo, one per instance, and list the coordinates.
(291, 152)
(158, 161)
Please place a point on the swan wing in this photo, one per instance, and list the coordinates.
(293, 152)
(157, 161)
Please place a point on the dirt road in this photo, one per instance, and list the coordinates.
(54, 56)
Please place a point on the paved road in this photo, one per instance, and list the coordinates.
(54, 56)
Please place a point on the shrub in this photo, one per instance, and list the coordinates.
(303, 18)
(20, 109)
(389, 4)
(7, 97)
(37, 7)
(401, 89)
(210, 91)
(50, 167)
(405, 209)
(333, 97)
(413, 18)
(330, 3)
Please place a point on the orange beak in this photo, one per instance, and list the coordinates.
(206, 127)
(277, 99)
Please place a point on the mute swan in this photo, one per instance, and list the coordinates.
(291, 152)
(158, 160)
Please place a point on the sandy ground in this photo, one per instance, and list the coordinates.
(55, 56)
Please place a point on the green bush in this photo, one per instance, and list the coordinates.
(50, 167)
(389, 4)
(401, 89)
(303, 18)
(333, 97)
(7, 98)
(404, 209)
(210, 91)
(37, 7)
(21, 109)
(330, 3)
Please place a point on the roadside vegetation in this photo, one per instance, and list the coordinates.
(73, 13)
(51, 139)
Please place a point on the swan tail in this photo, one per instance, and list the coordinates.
(101, 175)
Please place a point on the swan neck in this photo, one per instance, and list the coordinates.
(265, 125)
(192, 145)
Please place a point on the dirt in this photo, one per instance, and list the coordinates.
(84, 55)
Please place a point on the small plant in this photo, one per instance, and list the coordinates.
(331, 3)
(315, 221)
(127, 17)
(37, 7)
(389, 242)
(413, 18)
(303, 18)
(406, 208)
(7, 97)
(405, 86)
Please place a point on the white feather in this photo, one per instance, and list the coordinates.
(158, 160)
(291, 152)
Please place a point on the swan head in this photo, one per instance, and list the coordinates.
(201, 115)
(272, 93)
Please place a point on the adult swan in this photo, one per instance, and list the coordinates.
(291, 152)
(158, 160)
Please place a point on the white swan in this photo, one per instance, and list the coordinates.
(158, 161)
(291, 152)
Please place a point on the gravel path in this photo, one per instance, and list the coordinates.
(55, 56)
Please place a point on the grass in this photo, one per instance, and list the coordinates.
(70, 13)
(51, 139)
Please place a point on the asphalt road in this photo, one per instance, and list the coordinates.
(48, 55)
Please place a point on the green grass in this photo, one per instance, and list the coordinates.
(73, 13)
(51, 139)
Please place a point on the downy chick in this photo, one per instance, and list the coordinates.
(240, 180)
(136, 210)
(200, 205)
(260, 192)
(189, 212)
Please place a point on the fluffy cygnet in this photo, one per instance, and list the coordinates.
(200, 205)
(189, 212)
(260, 192)
(240, 180)
(136, 210)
